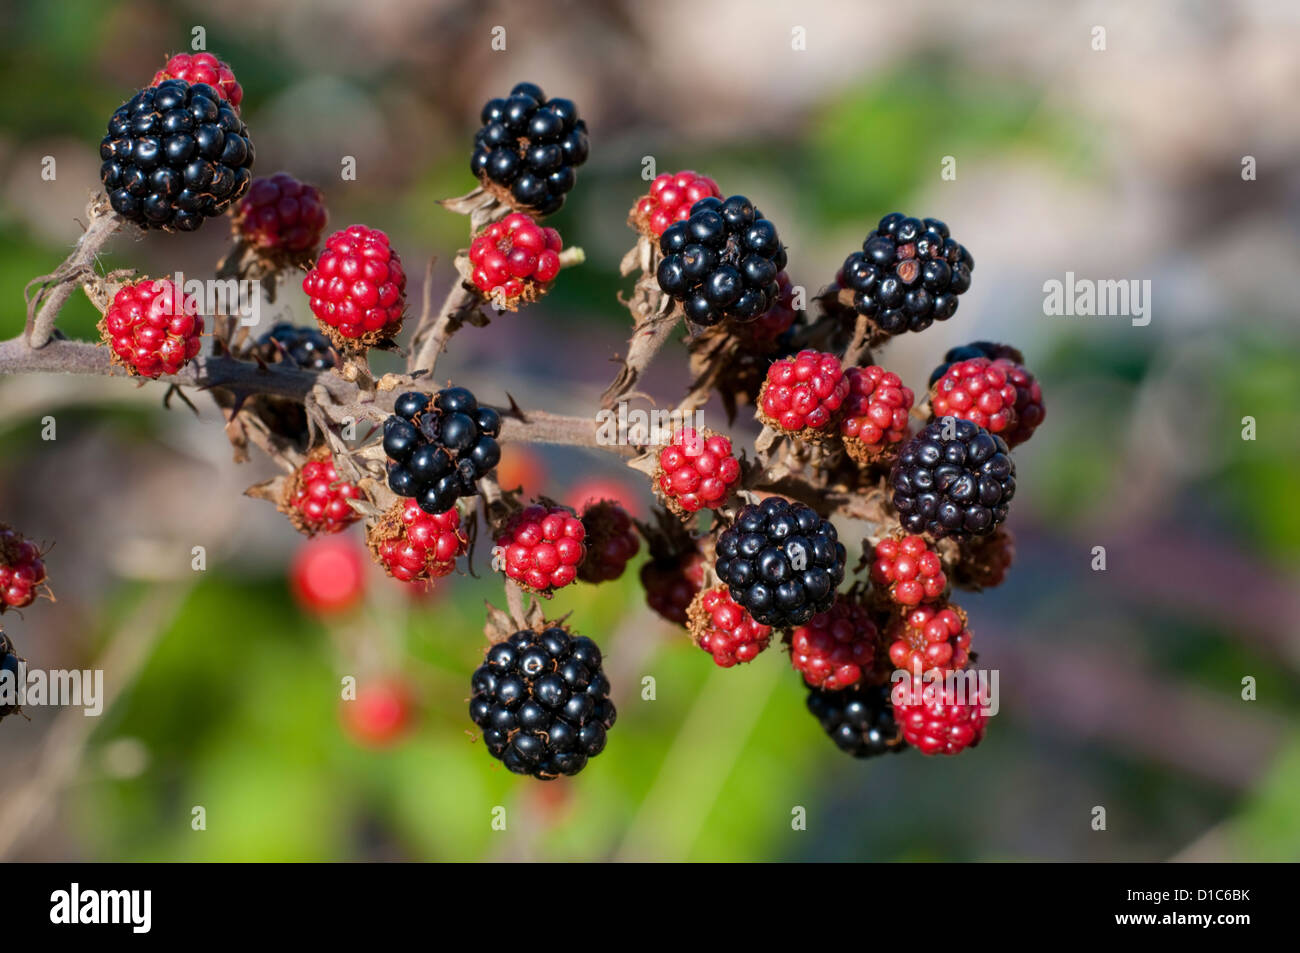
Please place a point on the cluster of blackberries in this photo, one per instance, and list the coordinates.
(953, 478)
(531, 145)
(860, 720)
(305, 347)
(542, 701)
(722, 262)
(175, 155)
(908, 274)
(781, 561)
(440, 447)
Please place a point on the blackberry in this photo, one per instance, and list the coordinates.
(174, 155)
(542, 702)
(908, 274)
(781, 561)
(965, 352)
(9, 676)
(530, 145)
(439, 447)
(305, 347)
(958, 485)
(722, 262)
(859, 720)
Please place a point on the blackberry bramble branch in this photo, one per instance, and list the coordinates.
(748, 542)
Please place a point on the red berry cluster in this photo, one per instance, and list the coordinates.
(514, 258)
(875, 412)
(909, 570)
(1029, 402)
(835, 649)
(671, 584)
(150, 331)
(977, 390)
(543, 547)
(418, 545)
(696, 471)
(724, 629)
(358, 288)
(281, 215)
(935, 718)
(804, 393)
(670, 200)
(929, 639)
(21, 569)
(202, 68)
(611, 541)
(320, 498)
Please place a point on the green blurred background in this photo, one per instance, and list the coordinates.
(1120, 689)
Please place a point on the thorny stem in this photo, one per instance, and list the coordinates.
(54, 290)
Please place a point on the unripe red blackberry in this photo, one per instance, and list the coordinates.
(318, 497)
(908, 570)
(542, 701)
(875, 413)
(11, 672)
(935, 719)
(671, 583)
(151, 329)
(977, 390)
(381, 713)
(357, 289)
(982, 563)
(611, 541)
(542, 547)
(835, 649)
(670, 199)
(528, 148)
(202, 68)
(908, 274)
(859, 720)
(721, 262)
(515, 260)
(413, 545)
(1029, 395)
(22, 570)
(282, 218)
(174, 155)
(953, 479)
(930, 638)
(724, 629)
(803, 395)
(696, 471)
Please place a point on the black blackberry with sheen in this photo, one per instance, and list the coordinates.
(306, 347)
(781, 561)
(859, 720)
(9, 672)
(440, 446)
(175, 155)
(531, 145)
(722, 262)
(542, 702)
(965, 352)
(908, 274)
(959, 485)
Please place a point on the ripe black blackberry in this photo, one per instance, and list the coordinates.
(722, 262)
(542, 701)
(9, 676)
(781, 561)
(530, 145)
(306, 347)
(908, 274)
(439, 447)
(965, 352)
(859, 720)
(954, 478)
(174, 155)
